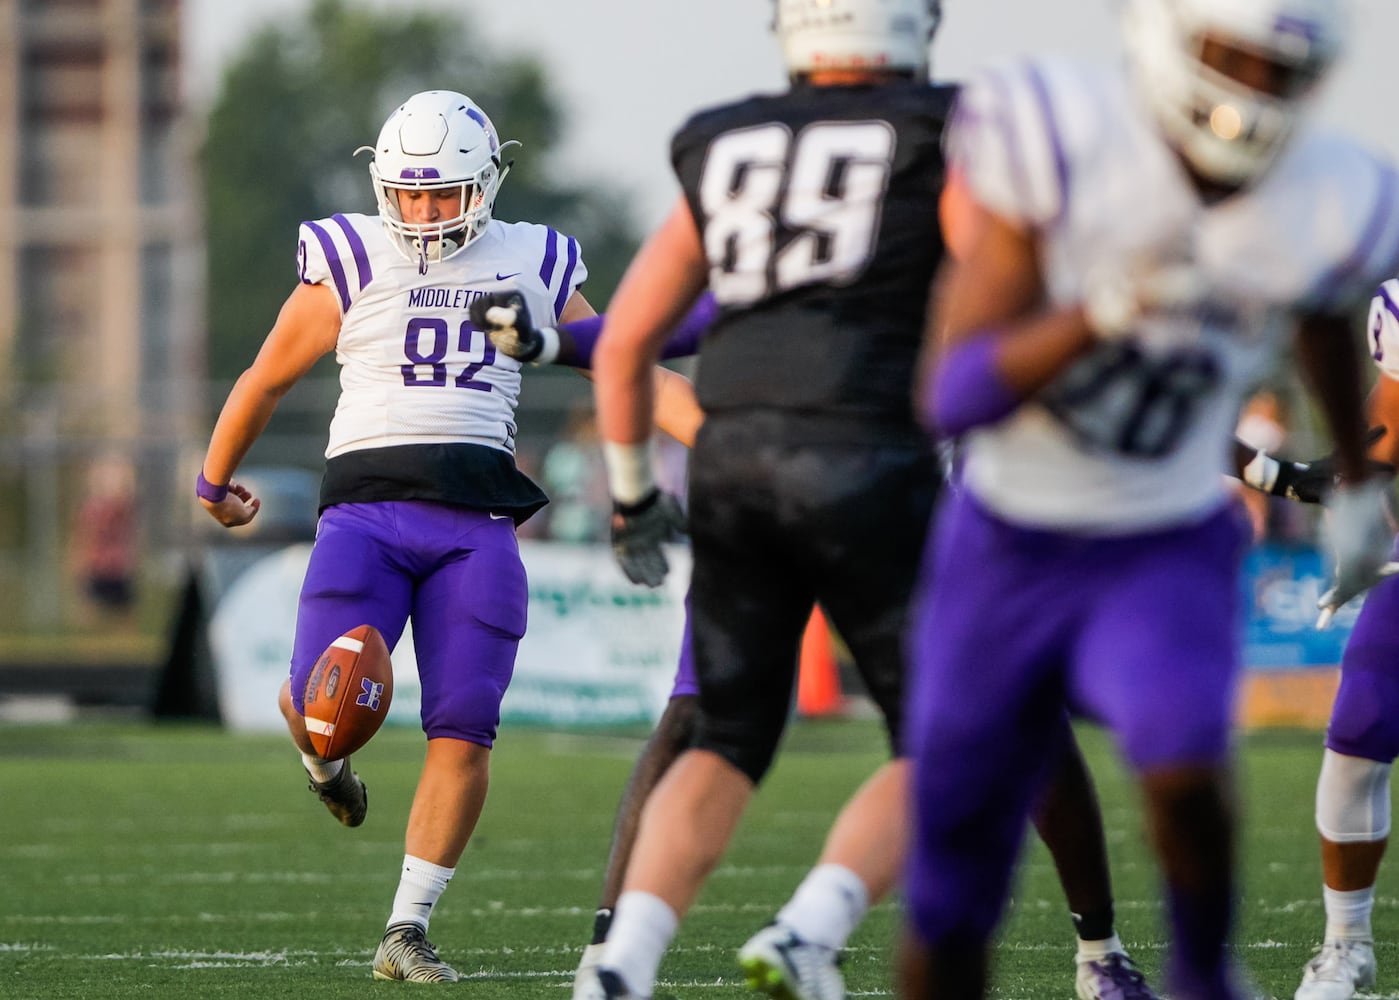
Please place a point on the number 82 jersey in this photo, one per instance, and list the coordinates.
(817, 209)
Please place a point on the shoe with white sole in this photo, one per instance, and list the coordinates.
(777, 962)
(1337, 970)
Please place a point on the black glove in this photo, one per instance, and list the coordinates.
(1312, 482)
(638, 532)
(505, 319)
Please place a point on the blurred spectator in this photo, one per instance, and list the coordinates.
(104, 543)
(574, 477)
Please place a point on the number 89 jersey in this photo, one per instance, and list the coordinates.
(817, 209)
(1136, 433)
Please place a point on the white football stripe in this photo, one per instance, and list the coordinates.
(345, 642)
(319, 726)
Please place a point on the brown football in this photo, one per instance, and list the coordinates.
(348, 693)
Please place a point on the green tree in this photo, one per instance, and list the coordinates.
(300, 99)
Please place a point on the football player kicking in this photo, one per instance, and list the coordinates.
(421, 495)
(1068, 818)
(1143, 237)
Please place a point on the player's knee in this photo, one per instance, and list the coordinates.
(1201, 740)
(748, 750)
(1352, 799)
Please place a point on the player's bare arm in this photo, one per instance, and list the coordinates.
(1330, 360)
(994, 340)
(306, 329)
(678, 412)
(1384, 413)
(663, 281)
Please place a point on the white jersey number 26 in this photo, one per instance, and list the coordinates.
(826, 186)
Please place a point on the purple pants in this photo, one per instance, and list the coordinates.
(456, 572)
(1139, 633)
(1365, 715)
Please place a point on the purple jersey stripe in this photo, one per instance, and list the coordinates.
(1051, 127)
(1333, 285)
(332, 257)
(1390, 305)
(566, 286)
(366, 273)
(551, 257)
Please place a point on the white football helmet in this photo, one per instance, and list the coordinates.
(437, 139)
(1228, 131)
(856, 34)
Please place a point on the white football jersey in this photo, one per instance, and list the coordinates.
(413, 369)
(1136, 434)
(1383, 328)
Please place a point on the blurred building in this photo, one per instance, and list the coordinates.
(101, 271)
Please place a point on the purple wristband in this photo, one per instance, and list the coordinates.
(207, 490)
(968, 390)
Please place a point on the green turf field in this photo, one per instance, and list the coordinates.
(186, 862)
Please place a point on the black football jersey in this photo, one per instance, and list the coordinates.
(818, 213)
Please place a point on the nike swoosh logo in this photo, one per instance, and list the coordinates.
(500, 517)
(502, 277)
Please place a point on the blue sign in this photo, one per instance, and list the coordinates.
(1281, 586)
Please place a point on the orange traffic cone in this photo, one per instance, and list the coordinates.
(818, 676)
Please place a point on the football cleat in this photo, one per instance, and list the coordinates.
(1337, 970)
(405, 953)
(777, 962)
(1112, 977)
(344, 795)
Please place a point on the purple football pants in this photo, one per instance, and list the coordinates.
(456, 572)
(1365, 715)
(1139, 633)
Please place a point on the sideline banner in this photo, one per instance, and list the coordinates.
(1293, 669)
(1282, 585)
(598, 649)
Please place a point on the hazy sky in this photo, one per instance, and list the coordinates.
(630, 71)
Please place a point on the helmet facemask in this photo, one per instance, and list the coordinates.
(437, 141)
(1227, 84)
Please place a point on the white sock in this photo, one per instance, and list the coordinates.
(1096, 951)
(592, 957)
(1348, 913)
(642, 927)
(419, 887)
(320, 769)
(827, 906)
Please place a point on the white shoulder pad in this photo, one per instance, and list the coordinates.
(1383, 328)
(548, 256)
(1010, 138)
(335, 252)
(1355, 229)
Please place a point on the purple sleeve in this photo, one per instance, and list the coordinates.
(683, 340)
(967, 389)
